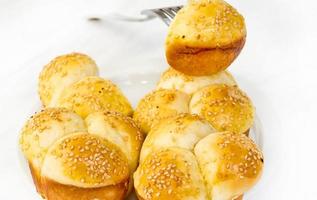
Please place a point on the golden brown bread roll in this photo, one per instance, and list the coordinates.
(62, 72)
(69, 161)
(183, 158)
(158, 105)
(85, 166)
(173, 79)
(205, 37)
(41, 131)
(226, 108)
(93, 94)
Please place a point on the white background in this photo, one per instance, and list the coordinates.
(276, 68)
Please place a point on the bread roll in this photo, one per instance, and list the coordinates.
(183, 130)
(158, 105)
(230, 163)
(85, 166)
(41, 131)
(62, 72)
(205, 37)
(173, 79)
(93, 94)
(184, 158)
(226, 108)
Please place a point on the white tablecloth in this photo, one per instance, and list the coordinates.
(276, 68)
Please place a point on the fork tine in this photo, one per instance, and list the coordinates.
(163, 15)
(169, 12)
(176, 9)
(166, 14)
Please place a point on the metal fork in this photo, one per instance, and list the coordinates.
(166, 14)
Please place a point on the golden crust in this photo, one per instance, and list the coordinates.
(86, 161)
(173, 79)
(171, 173)
(36, 176)
(231, 164)
(93, 94)
(43, 129)
(183, 131)
(225, 107)
(120, 130)
(57, 191)
(205, 37)
(158, 105)
(62, 72)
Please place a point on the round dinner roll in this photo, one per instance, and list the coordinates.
(85, 166)
(158, 105)
(93, 94)
(230, 163)
(183, 130)
(205, 37)
(62, 72)
(41, 131)
(226, 108)
(171, 173)
(173, 79)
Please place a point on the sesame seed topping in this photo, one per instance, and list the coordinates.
(93, 160)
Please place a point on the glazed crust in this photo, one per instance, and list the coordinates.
(230, 163)
(226, 108)
(170, 173)
(57, 191)
(120, 130)
(84, 166)
(158, 105)
(36, 176)
(202, 61)
(62, 72)
(93, 94)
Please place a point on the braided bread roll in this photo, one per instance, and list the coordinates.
(74, 159)
(184, 158)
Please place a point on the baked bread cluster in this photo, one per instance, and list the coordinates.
(82, 144)
(186, 140)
